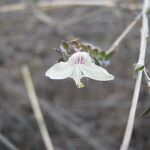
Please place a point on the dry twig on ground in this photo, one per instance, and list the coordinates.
(7, 143)
(47, 5)
(36, 108)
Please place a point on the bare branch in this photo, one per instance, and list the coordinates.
(43, 17)
(36, 108)
(46, 5)
(147, 77)
(141, 61)
(123, 34)
(7, 143)
(59, 117)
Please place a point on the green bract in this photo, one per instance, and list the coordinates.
(67, 48)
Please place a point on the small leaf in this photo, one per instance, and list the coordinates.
(146, 112)
(84, 48)
(94, 52)
(64, 47)
(109, 55)
(101, 55)
(138, 67)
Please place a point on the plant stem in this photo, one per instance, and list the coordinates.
(141, 61)
(46, 5)
(36, 108)
(124, 33)
(7, 143)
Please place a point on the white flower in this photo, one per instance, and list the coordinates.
(79, 65)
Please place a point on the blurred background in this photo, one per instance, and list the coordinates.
(92, 118)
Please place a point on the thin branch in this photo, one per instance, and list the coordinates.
(61, 119)
(147, 77)
(57, 113)
(130, 123)
(43, 17)
(141, 61)
(36, 108)
(7, 143)
(123, 34)
(77, 18)
(46, 5)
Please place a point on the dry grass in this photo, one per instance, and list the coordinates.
(76, 119)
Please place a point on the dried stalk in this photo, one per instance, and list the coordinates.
(43, 17)
(147, 77)
(46, 5)
(36, 108)
(123, 34)
(141, 61)
(7, 143)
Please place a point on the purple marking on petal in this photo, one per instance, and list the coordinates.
(80, 60)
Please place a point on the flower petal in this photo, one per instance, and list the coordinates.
(97, 73)
(60, 70)
(77, 75)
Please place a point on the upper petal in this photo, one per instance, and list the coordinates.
(84, 55)
(60, 70)
(97, 73)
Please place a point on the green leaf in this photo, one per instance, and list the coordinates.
(138, 68)
(94, 52)
(146, 112)
(64, 47)
(101, 55)
(109, 55)
(84, 48)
